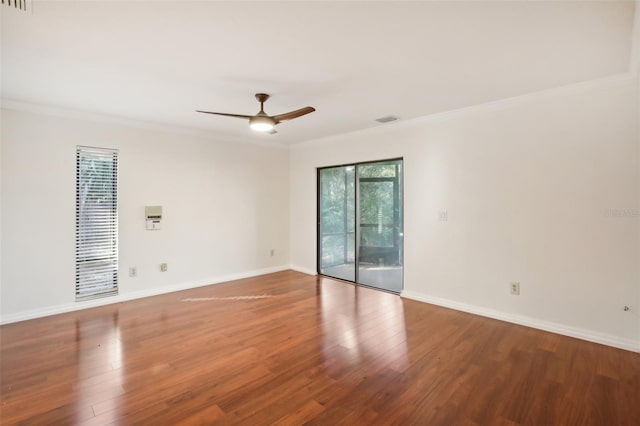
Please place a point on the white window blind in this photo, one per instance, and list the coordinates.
(96, 222)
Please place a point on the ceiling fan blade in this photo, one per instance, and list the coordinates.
(226, 114)
(293, 114)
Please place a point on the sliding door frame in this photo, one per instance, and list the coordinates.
(356, 214)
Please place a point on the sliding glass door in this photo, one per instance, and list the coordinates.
(337, 222)
(380, 225)
(360, 223)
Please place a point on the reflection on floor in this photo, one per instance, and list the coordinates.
(384, 277)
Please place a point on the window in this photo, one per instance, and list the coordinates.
(96, 222)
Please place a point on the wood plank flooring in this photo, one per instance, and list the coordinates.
(307, 350)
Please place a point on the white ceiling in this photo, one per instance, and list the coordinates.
(353, 61)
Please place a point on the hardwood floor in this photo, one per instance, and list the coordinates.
(307, 349)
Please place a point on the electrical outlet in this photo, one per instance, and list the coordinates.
(515, 288)
(443, 215)
(272, 252)
(133, 272)
(163, 267)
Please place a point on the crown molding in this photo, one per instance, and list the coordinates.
(629, 76)
(574, 88)
(55, 111)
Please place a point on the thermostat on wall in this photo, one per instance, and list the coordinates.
(153, 217)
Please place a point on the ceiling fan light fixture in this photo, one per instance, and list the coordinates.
(261, 124)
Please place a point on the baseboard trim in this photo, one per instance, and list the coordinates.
(552, 327)
(303, 270)
(76, 306)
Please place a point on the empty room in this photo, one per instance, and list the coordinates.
(320, 212)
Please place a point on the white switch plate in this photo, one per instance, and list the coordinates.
(515, 288)
(163, 267)
(153, 225)
(133, 272)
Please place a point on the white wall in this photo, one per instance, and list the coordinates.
(530, 185)
(225, 206)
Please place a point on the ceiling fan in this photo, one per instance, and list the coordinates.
(261, 122)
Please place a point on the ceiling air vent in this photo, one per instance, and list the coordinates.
(386, 119)
(16, 4)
